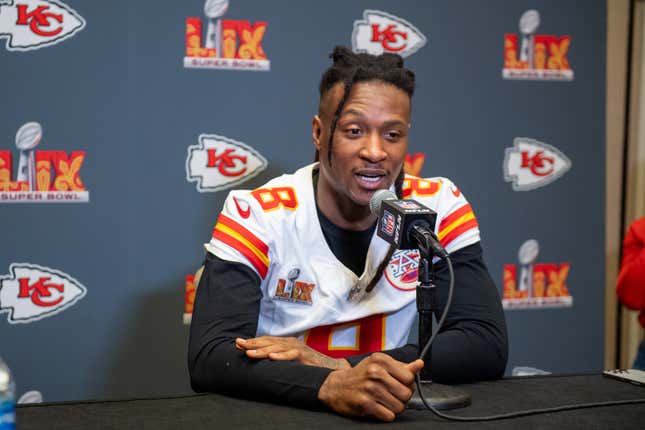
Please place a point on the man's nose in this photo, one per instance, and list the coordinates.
(373, 148)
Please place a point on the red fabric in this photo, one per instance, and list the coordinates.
(631, 279)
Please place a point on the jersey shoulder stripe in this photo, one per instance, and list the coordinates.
(457, 222)
(242, 240)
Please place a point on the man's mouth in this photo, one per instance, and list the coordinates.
(370, 179)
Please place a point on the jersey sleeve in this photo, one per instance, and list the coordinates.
(240, 234)
(456, 225)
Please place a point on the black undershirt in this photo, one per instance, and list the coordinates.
(349, 246)
(471, 346)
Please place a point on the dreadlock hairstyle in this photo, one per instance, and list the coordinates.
(351, 68)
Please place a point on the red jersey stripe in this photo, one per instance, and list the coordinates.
(454, 216)
(234, 225)
(244, 250)
(458, 231)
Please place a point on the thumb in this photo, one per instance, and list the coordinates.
(415, 366)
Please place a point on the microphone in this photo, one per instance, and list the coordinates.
(406, 224)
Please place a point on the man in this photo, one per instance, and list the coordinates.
(298, 293)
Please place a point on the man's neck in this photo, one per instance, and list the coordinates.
(340, 210)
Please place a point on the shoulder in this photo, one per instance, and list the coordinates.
(255, 219)
(270, 201)
(438, 193)
(252, 221)
(456, 225)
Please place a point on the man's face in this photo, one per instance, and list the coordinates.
(370, 140)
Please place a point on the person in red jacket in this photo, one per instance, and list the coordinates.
(631, 279)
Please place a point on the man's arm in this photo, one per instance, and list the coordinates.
(472, 344)
(227, 306)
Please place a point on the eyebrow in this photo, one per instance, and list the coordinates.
(354, 112)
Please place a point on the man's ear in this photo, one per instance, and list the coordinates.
(316, 131)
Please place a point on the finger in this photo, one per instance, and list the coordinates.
(402, 392)
(377, 410)
(257, 342)
(401, 371)
(289, 355)
(416, 366)
(264, 352)
(382, 395)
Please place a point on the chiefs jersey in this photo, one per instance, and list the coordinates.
(275, 231)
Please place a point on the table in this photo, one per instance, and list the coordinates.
(213, 411)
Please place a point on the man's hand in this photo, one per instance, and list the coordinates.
(288, 349)
(379, 387)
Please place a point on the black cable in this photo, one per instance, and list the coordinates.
(498, 416)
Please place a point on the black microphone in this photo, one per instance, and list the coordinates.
(406, 224)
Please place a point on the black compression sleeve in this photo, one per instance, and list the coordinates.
(227, 306)
(472, 345)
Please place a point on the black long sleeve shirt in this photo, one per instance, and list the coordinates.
(471, 346)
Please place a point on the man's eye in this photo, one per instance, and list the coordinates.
(393, 135)
(354, 131)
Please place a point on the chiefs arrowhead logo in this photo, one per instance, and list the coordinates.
(35, 24)
(531, 164)
(31, 292)
(218, 162)
(380, 32)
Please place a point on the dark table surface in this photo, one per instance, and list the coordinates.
(214, 411)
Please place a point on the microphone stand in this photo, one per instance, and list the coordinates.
(442, 397)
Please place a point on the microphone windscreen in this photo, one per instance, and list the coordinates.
(379, 197)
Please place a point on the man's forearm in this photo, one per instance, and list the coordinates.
(226, 370)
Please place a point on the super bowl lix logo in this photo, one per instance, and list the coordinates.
(414, 163)
(538, 285)
(538, 56)
(380, 32)
(34, 24)
(229, 44)
(530, 164)
(294, 291)
(218, 162)
(31, 292)
(42, 176)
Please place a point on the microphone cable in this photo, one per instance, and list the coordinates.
(498, 416)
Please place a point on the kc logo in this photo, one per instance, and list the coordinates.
(34, 24)
(218, 162)
(40, 290)
(531, 164)
(538, 163)
(380, 32)
(227, 162)
(31, 292)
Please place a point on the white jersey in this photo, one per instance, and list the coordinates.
(275, 231)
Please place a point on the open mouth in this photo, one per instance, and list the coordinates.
(370, 180)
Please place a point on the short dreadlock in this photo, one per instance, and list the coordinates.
(351, 68)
